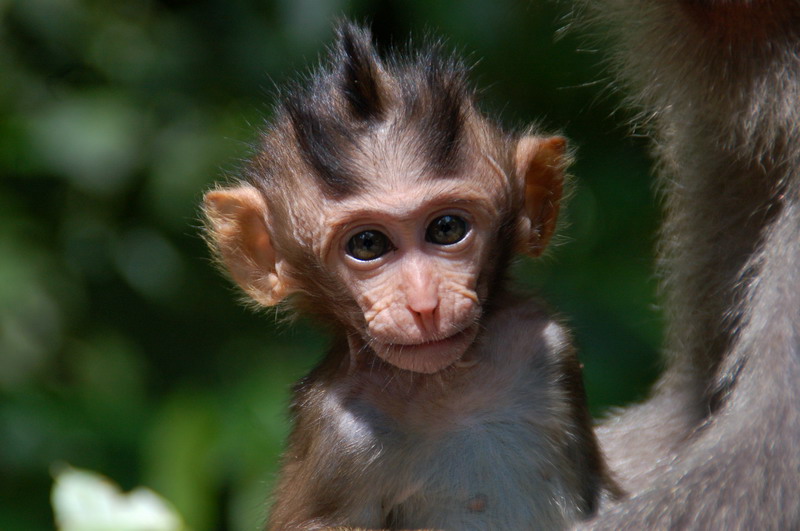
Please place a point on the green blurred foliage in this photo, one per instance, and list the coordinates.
(122, 349)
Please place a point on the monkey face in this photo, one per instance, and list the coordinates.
(403, 263)
(410, 255)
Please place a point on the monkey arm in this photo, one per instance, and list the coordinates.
(717, 445)
(740, 467)
(321, 484)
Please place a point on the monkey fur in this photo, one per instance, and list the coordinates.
(389, 208)
(717, 84)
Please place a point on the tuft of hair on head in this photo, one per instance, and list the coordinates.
(444, 83)
(424, 95)
(336, 106)
(359, 71)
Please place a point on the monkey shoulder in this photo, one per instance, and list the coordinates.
(524, 332)
(530, 355)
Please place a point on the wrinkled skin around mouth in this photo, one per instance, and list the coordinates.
(427, 357)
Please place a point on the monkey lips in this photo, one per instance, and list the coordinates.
(427, 357)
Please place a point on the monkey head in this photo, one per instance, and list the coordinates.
(383, 201)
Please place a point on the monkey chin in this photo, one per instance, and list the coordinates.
(428, 357)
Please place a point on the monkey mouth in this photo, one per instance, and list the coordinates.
(431, 343)
(428, 356)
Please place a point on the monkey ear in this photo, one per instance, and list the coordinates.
(237, 230)
(540, 163)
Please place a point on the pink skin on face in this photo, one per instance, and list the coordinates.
(419, 298)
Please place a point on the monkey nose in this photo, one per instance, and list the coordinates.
(424, 305)
(421, 289)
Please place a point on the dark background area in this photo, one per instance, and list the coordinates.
(122, 350)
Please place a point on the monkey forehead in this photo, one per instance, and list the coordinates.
(391, 156)
(411, 200)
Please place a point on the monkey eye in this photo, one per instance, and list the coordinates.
(446, 230)
(368, 245)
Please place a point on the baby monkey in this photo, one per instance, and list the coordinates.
(389, 207)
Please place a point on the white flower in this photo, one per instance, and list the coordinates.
(86, 501)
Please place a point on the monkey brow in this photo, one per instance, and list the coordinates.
(474, 202)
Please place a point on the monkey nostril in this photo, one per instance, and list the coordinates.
(424, 306)
(422, 300)
(426, 315)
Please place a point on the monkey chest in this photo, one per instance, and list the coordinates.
(497, 474)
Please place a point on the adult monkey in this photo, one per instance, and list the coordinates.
(718, 444)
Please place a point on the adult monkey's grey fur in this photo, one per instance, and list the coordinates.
(718, 85)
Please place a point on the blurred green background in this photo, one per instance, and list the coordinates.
(123, 350)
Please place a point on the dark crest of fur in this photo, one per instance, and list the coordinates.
(359, 71)
(355, 91)
(441, 118)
